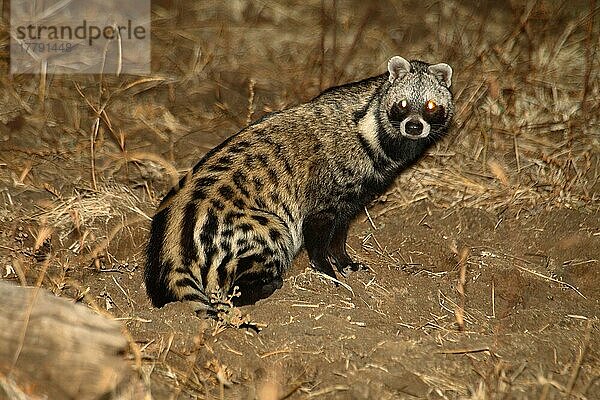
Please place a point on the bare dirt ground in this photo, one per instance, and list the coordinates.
(484, 258)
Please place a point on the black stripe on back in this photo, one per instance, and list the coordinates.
(274, 234)
(287, 166)
(244, 248)
(194, 297)
(189, 250)
(222, 272)
(260, 203)
(246, 263)
(260, 219)
(184, 282)
(217, 204)
(275, 216)
(245, 227)
(287, 212)
(226, 192)
(231, 216)
(264, 160)
(279, 152)
(249, 160)
(375, 159)
(238, 147)
(209, 254)
(273, 177)
(214, 150)
(275, 198)
(239, 179)
(226, 160)
(258, 184)
(209, 228)
(253, 278)
(201, 186)
(157, 268)
(218, 168)
(207, 237)
(239, 203)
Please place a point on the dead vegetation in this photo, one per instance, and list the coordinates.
(84, 161)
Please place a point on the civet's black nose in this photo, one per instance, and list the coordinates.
(413, 127)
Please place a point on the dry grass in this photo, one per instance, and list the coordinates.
(96, 151)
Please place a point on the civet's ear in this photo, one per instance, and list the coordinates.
(398, 67)
(443, 73)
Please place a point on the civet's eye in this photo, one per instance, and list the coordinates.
(430, 106)
(403, 103)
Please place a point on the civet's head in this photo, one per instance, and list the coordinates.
(418, 103)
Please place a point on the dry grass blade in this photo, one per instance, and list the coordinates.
(460, 308)
(334, 280)
(464, 351)
(13, 391)
(327, 390)
(550, 279)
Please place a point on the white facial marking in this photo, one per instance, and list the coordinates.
(424, 134)
(368, 129)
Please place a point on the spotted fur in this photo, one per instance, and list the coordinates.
(291, 179)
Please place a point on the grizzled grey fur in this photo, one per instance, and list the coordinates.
(291, 179)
